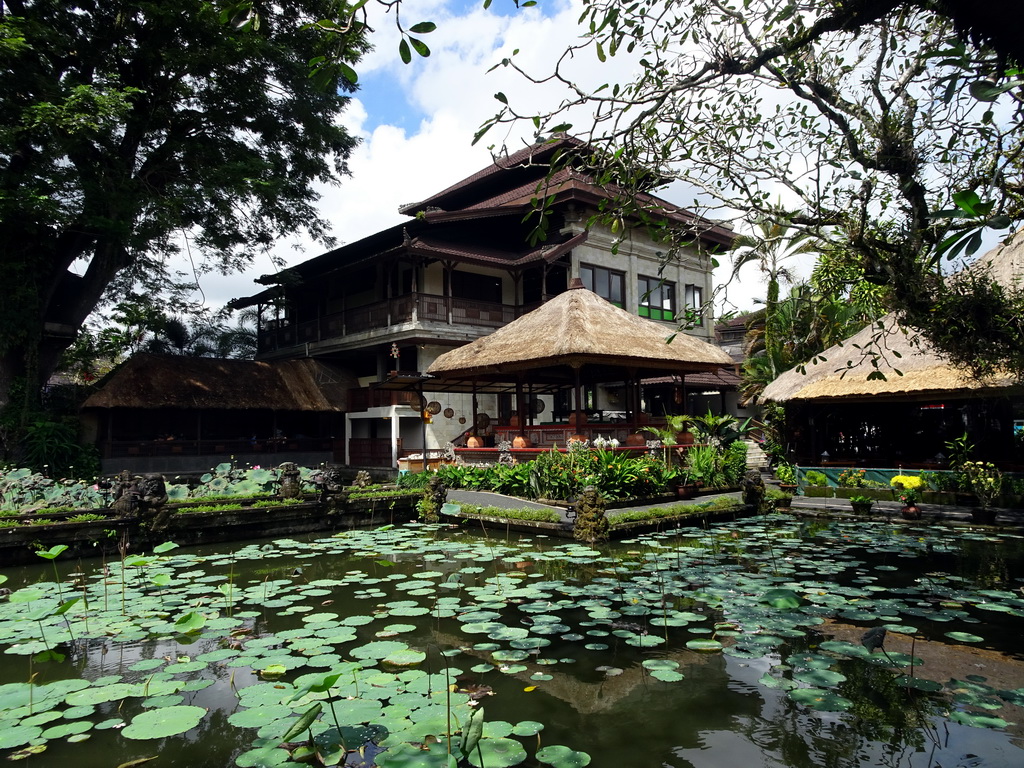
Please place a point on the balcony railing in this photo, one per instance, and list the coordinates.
(417, 307)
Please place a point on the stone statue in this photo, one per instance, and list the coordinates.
(290, 482)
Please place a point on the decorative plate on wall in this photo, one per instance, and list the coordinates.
(482, 421)
(448, 413)
(433, 408)
(538, 406)
(462, 419)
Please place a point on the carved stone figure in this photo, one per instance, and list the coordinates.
(290, 482)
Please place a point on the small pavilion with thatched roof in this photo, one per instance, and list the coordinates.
(885, 398)
(573, 340)
(182, 413)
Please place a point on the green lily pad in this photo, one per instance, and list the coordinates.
(563, 757)
(167, 721)
(497, 753)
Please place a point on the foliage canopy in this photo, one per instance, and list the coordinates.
(891, 128)
(133, 129)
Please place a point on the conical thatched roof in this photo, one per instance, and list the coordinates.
(170, 381)
(573, 330)
(842, 371)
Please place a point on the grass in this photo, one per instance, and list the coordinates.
(209, 508)
(389, 494)
(530, 515)
(276, 502)
(85, 517)
(675, 510)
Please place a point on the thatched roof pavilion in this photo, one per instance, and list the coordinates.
(171, 411)
(575, 338)
(842, 371)
(148, 381)
(574, 331)
(885, 397)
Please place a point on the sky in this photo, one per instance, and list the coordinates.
(416, 122)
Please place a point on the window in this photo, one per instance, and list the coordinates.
(694, 295)
(657, 299)
(605, 283)
(469, 285)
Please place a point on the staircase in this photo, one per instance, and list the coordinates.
(756, 458)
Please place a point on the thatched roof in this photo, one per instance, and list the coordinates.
(842, 371)
(167, 381)
(579, 329)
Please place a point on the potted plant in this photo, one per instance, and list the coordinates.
(908, 492)
(987, 483)
(861, 504)
(786, 475)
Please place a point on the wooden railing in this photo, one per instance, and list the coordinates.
(417, 307)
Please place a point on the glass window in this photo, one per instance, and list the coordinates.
(606, 283)
(657, 299)
(694, 296)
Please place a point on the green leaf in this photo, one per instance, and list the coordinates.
(167, 546)
(423, 28)
(303, 723)
(164, 722)
(420, 47)
(404, 52)
(53, 552)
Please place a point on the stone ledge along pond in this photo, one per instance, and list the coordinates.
(754, 643)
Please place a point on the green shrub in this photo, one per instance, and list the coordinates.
(85, 517)
(815, 479)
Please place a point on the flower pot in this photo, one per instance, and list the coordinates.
(983, 515)
(521, 441)
(636, 439)
(474, 442)
(786, 503)
(789, 488)
(861, 507)
(687, 491)
(911, 512)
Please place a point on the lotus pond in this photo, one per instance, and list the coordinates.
(757, 643)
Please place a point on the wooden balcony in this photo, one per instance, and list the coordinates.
(415, 308)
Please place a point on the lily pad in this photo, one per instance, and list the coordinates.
(160, 723)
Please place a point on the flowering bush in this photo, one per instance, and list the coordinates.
(909, 488)
(986, 481)
(852, 478)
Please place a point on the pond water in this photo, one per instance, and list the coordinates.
(746, 644)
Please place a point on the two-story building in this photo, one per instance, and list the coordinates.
(470, 259)
(466, 262)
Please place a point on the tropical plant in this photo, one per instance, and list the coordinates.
(986, 481)
(814, 478)
(705, 465)
(861, 504)
(785, 473)
(852, 478)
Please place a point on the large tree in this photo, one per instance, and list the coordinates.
(132, 129)
(894, 128)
